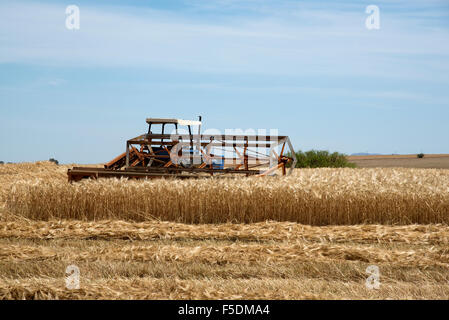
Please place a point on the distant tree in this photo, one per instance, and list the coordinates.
(1, 162)
(54, 161)
(420, 155)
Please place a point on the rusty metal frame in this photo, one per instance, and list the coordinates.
(157, 155)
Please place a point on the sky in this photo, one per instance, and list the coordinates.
(312, 70)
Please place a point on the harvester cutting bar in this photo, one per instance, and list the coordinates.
(79, 173)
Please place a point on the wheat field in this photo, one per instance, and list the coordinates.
(309, 196)
(308, 236)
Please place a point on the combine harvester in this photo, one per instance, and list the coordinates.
(186, 155)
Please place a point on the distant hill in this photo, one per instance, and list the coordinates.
(365, 154)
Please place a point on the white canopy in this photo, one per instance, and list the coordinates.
(178, 121)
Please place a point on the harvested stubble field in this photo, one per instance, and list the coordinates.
(311, 235)
(435, 161)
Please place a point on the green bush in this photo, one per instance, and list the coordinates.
(420, 155)
(54, 161)
(320, 159)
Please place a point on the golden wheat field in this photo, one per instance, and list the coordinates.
(307, 236)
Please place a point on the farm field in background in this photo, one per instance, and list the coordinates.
(310, 235)
(435, 161)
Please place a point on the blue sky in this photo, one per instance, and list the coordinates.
(311, 70)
